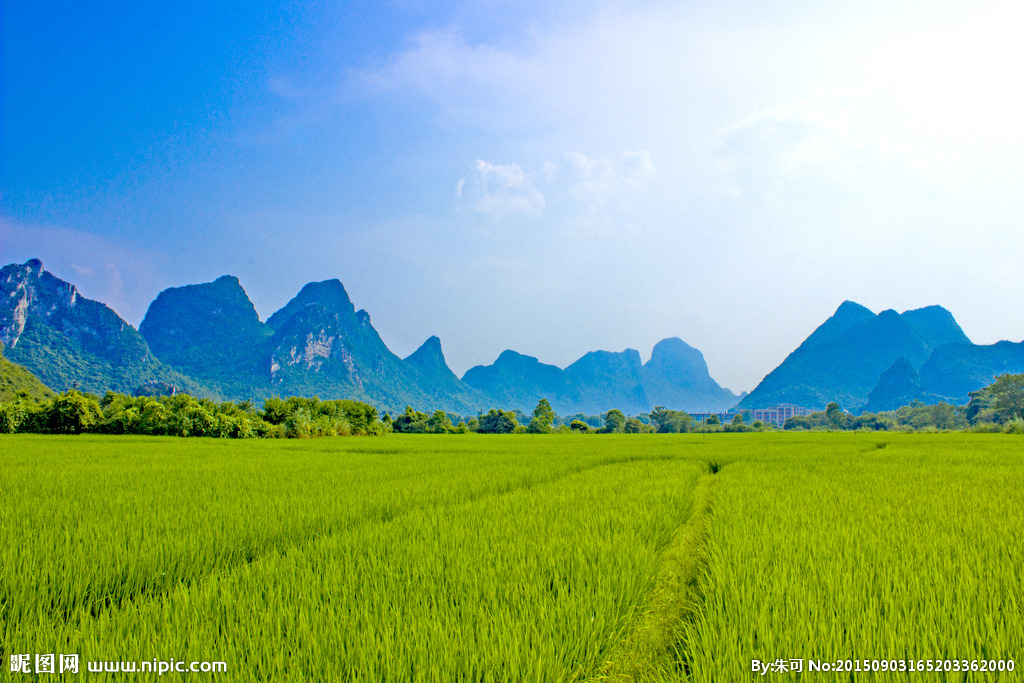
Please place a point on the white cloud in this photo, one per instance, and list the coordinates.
(590, 193)
(815, 148)
(616, 66)
(601, 182)
(604, 190)
(499, 190)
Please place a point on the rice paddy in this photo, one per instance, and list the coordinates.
(518, 558)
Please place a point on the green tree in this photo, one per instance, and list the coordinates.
(1008, 391)
(21, 414)
(543, 418)
(497, 422)
(614, 422)
(834, 415)
(667, 421)
(72, 413)
(798, 422)
(440, 423)
(410, 422)
(579, 426)
(635, 426)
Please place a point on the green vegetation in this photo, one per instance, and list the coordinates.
(1000, 404)
(114, 358)
(560, 558)
(838, 547)
(670, 421)
(997, 407)
(17, 382)
(497, 422)
(211, 332)
(543, 418)
(75, 413)
(335, 559)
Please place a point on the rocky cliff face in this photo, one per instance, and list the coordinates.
(68, 340)
(32, 295)
(320, 343)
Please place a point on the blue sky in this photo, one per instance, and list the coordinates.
(551, 177)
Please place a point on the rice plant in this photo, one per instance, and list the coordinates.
(518, 558)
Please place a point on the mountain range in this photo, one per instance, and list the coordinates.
(208, 340)
(873, 362)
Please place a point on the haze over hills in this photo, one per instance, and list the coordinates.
(676, 377)
(955, 370)
(318, 344)
(868, 361)
(436, 379)
(207, 339)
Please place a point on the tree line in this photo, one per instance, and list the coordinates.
(74, 412)
(998, 407)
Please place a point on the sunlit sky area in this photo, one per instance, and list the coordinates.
(552, 177)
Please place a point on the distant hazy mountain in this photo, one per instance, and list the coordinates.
(16, 380)
(899, 386)
(602, 380)
(518, 381)
(66, 339)
(936, 326)
(956, 369)
(843, 359)
(436, 380)
(207, 339)
(316, 345)
(676, 377)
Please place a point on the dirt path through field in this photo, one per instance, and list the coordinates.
(651, 650)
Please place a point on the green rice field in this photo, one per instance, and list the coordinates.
(517, 558)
